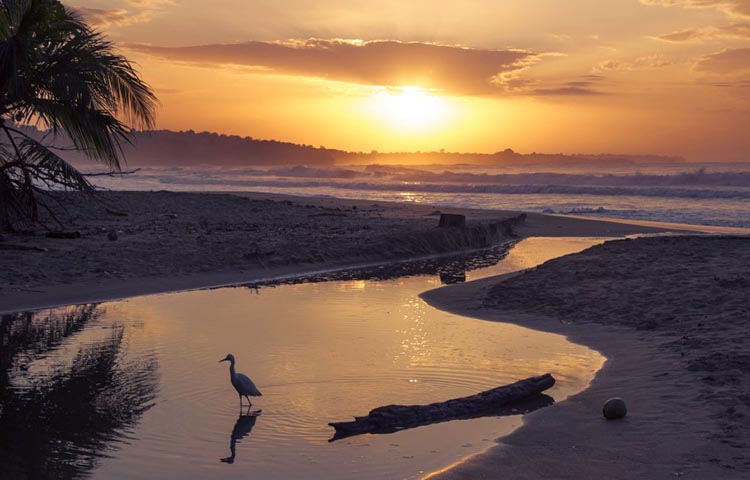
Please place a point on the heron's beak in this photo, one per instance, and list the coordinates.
(223, 360)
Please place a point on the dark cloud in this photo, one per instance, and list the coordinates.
(734, 8)
(580, 84)
(728, 61)
(453, 69)
(736, 30)
(569, 89)
(593, 78)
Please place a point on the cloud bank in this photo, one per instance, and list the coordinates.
(455, 70)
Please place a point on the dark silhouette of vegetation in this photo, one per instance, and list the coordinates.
(57, 423)
(60, 75)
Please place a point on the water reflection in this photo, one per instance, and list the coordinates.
(451, 277)
(450, 268)
(57, 419)
(73, 398)
(242, 428)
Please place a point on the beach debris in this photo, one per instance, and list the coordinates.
(614, 409)
(27, 248)
(327, 214)
(170, 215)
(450, 277)
(517, 398)
(65, 235)
(112, 235)
(117, 213)
(452, 220)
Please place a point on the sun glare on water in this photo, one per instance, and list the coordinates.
(411, 108)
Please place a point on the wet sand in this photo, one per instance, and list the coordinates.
(168, 241)
(672, 315)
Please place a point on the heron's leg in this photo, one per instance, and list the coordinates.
(249, 403)
(240, 403)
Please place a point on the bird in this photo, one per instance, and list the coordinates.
(242, 383)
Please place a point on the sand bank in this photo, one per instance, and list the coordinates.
(169, 241)
(672, 315)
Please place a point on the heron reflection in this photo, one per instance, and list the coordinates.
(242, 428)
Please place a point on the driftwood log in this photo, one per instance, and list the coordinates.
(520, 397)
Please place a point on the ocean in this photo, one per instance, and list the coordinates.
(700, 194)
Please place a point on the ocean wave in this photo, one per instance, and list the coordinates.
(401, 175)
(523, 189)
(697, 178)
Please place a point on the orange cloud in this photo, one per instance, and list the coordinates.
(736, 30)
(728, 61)
(136, 11)
(105, 17)
(638, 63)
(456, 70)
(734, 8)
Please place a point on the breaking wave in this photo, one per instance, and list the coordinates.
(697, 191)
(714, 195)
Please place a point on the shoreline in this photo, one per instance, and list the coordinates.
(160, 251)
(675, 425)
(579, 416)
(105, 292)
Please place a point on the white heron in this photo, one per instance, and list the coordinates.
(241, 383)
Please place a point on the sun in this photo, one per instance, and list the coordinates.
(409, 108)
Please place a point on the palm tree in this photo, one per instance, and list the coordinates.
(60, 75)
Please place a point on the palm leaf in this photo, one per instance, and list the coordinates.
(51, 167)
(59, 74)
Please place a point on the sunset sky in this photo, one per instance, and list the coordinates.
(632, 76)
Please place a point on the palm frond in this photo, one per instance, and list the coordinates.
(58, 73)
(72, 80)
(96, 133)
(52, 169)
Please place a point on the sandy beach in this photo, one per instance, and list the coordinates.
(168, 241)
(669, 313)
(671, 316)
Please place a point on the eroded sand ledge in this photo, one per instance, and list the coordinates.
(672, 315)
